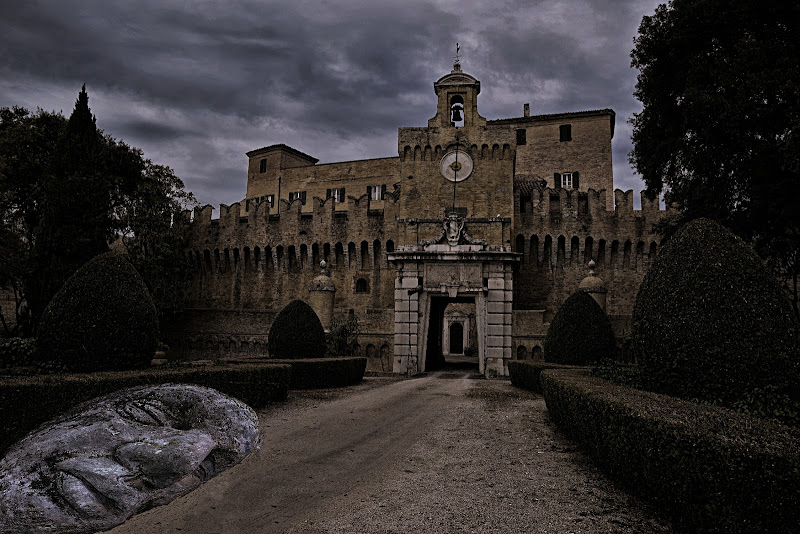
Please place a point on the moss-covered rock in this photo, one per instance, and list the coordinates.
(296, 332)
(711, 322)
(580, 333)
(101, 319)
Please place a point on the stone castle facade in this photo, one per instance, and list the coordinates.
(491, 220)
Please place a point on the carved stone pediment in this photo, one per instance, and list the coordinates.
(454, 233)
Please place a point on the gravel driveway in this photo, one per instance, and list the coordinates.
(441, 453)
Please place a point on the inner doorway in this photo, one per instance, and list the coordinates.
(452, 334)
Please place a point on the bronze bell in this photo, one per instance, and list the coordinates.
(457, 115)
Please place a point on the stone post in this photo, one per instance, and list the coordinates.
(595, 286)
(321, 295)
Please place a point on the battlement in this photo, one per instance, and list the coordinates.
(532, 201)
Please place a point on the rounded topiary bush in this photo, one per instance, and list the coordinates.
(711, 322)
(102, 318)
(296, 332)
(580, 333)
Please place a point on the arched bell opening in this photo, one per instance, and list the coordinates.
(457, 111)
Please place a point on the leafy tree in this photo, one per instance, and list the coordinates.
(66, 192)
(720, 86)
(342, 340)
(154, 232)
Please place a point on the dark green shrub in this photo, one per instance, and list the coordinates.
(707, 468)
(342, 340)
(296, 332)
(17, 351)
(325, 372)
(580, 333)
(525, 374)
(102, 318)
(712, 323)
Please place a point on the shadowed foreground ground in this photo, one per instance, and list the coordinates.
(443, 453)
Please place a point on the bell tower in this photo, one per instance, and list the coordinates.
(457, 105)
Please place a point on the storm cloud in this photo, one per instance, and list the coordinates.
(197, 84)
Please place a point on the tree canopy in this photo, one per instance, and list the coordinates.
(719, 82)
(67, 191)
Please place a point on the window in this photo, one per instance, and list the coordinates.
(376, 192)
(521, 136)
(566, 180)
(270, 199)
(297, 195)
(262, 165)
(336, 194)
(361, 286)
(565, 132)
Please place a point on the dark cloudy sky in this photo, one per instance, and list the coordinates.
(196, 84)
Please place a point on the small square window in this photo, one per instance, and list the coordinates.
(297, 195)
(337, 194)
(566, 180)
(262, 165)
(565, 132)
(376, 192)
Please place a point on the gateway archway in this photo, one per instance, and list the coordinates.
(428, 278)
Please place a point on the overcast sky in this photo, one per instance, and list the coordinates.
(196, 84)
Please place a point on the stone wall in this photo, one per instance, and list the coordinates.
(248, 267)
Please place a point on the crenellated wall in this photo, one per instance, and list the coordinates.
(249, 266)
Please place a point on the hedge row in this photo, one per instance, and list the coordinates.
(325, 372)
(525, 373)
(27, 402)
(707, 468)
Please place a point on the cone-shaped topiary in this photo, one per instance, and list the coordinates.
(296, 332)
(580, 333)
(102, 318)
(711, 322)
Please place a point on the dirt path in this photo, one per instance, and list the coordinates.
(443, 453)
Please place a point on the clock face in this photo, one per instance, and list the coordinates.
(456, 166)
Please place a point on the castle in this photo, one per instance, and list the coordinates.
(463, 244)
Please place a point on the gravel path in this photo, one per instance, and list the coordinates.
(442, 453)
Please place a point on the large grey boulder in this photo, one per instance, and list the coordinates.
(95, 466)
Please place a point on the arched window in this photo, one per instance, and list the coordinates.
(361, 286)
(522, 353)
(364, 255)
(339, 255)
(370, 351)
(376, 254)
(457, 111)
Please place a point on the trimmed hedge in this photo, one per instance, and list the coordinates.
(17, 351)
(325, 372)
(711, 322)
(296, 332)
(102, 319)
(580, 333)
(525, 374)
(27, 402)
(707, 468)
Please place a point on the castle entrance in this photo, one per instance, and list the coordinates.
(442, 291)
(452, 337)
